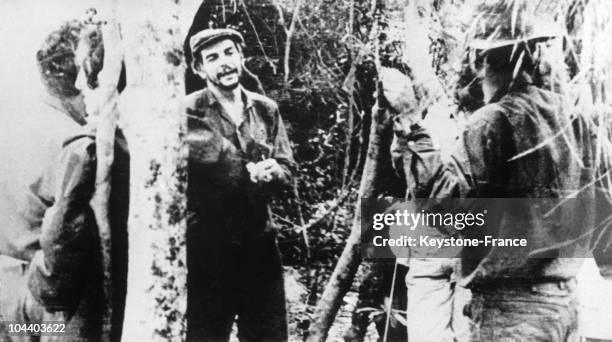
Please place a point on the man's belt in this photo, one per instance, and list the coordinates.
(527, 285)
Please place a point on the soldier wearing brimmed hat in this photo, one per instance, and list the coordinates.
(239, 155)
(507, 34)
(522, 144)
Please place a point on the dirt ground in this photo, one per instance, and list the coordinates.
(298, 309)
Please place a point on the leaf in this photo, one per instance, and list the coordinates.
(398, 317)
(369, 309)
(514, 17)
(517, 66)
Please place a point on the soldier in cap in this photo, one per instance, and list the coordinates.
(523, 144)
(239, 156)
(205, 18)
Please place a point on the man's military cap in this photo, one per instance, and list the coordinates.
(499, 24)
(207, 37)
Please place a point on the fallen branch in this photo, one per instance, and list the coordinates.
(312, 223)
(330, 210)
(344, 272)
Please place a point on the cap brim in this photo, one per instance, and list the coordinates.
(215, 39)
(205, 38)
(486, 44)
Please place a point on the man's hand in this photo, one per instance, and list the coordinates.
(398, 90)
(264, 171)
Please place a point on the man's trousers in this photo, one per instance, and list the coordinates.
(545, 312)
(435, 302)
(228, 282)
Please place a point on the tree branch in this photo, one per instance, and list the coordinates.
(347, 265)
(105, 145)
(289, 33)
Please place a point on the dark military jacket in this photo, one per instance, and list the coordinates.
(222, 200)
(521, 146)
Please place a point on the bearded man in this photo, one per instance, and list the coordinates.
(239, 155)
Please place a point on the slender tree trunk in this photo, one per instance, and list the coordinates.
(342, 277)
(157, 275)
(105, 145)
(416, 52)
(429, 91)
(105, 138)
(371, 295)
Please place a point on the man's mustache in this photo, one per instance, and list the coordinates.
(227, 71)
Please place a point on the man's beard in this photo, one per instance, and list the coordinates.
(222, 86)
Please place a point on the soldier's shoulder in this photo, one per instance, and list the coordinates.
(489, 119)
(79, 149)
(193, 100)
(262, 100)
(488, 114)
(79, 142)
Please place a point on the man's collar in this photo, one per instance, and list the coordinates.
(209, 98)
(63, 107)
(247, 98)
(520, 84)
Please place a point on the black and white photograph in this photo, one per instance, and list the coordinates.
(306, 171)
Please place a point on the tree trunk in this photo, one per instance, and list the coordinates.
(157, 274)
(371, 295)
(417, 52)
(429, 91)
(105, 146)
(342, 277)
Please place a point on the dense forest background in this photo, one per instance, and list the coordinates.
(318, 60)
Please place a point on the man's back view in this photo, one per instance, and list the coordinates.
(535, 165)
(53, 232)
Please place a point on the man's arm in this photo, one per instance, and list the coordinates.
(59, 270)
(474, 167)
(282, 153)
(24, 204)
(429, 173)
(279, 168)
(22, 231)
